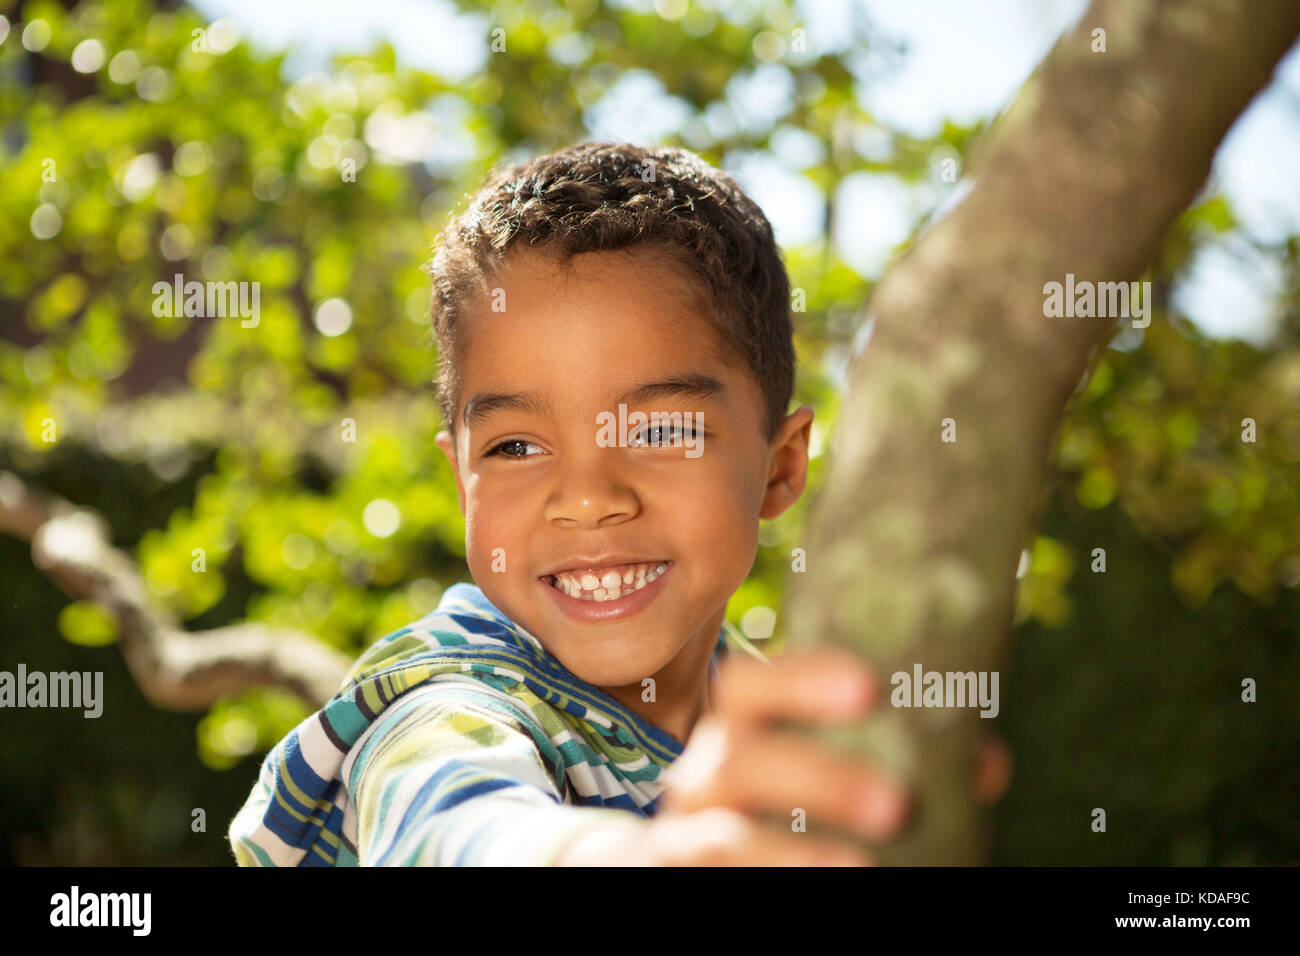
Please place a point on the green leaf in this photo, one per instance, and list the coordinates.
(87, 624)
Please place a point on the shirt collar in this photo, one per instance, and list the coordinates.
(491, 620)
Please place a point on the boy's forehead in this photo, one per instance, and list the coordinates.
(578, 338)
(603, 312)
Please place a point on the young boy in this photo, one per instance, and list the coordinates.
(616, 361)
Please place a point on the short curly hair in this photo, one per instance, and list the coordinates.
(597, 196)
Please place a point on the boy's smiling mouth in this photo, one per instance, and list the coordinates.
(607, 583)
(594, 591)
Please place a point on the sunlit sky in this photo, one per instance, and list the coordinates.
(962, 61)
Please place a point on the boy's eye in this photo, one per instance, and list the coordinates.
(658, 435)
(511, 448)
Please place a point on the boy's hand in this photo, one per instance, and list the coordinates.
(736, 766)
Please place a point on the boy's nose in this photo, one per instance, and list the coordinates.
(590, 500)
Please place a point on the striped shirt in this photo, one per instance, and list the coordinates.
(457, 740)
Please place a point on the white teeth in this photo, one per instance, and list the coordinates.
(608, 585)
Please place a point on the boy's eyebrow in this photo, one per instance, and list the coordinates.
(697, 387)
(485, 403)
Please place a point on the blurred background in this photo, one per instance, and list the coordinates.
(142, 138)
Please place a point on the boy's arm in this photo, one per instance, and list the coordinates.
(439, 781)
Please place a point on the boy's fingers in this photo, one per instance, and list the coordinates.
(723, 837)
(782, 773)
(821, 685)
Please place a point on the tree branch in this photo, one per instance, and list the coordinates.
(175, 669)
(914, 541)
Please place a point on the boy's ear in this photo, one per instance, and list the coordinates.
(448, 446)
(788, 472)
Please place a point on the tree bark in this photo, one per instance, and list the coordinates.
(913, 544)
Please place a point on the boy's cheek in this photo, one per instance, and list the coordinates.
(722, 529)
(488, 547)
(718, 494)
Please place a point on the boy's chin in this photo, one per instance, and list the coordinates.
(623, 671)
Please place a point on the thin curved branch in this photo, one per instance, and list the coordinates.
(175, 669)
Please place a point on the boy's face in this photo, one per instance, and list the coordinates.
(571, 345)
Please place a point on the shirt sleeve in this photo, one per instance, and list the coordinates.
(444, 779)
